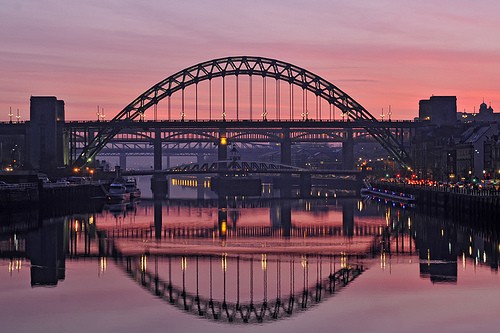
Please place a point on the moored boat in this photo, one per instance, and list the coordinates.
(131, 187)
(118, 192)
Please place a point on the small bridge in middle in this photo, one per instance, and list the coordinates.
(241, 167)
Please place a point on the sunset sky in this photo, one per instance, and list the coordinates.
(383, 52)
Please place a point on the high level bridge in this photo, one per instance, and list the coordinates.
(240, 100)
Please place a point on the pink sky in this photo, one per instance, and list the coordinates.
(107, 53)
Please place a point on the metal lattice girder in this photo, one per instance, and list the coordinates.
(234, 166)
(244, 65)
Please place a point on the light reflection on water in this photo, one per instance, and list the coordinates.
(289, 265)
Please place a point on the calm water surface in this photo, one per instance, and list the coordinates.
(241, 265)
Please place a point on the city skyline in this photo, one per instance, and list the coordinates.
(382, 54)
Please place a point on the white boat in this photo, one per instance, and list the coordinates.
(131, 187)
(118, 192)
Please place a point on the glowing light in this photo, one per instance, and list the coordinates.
(224, 262)
(382, 260)
(102, 264)
(76, 170)
(183, 263)
(343, 261)
(303, 262)
(144, 262)
(15, 265)
(264, 262)
(223, 141)
(223, 227)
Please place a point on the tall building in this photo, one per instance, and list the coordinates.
(44, 140)
(439, 110)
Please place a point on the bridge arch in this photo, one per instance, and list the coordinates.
(250, 66)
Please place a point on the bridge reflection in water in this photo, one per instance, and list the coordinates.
(254, 272)
(241, 289)
(247, 261)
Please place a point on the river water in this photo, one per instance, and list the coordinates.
(241, 265)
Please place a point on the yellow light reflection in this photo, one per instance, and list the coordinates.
(144, 261)
(223, 141)
(103, 264)
(264, 262)
(223, 227)
(303, 262)
(383, 260)
(343, 260)
(184, 263)
(14, 265)
(224, 262)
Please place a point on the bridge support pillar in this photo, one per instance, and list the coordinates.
(158, 218)
(123, 161)
(159, 182)
(305, 185)
(348, 151)
(200, 189)
(348, 208)
(286, 148)
(285, 180)
(281, 217)
(159, 186)
(157, 151)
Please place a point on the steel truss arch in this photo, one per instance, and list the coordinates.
(247, 65)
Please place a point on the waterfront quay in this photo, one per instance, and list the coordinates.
(459, 202)
(14, 195)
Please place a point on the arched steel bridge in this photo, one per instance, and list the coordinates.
(238, 66)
